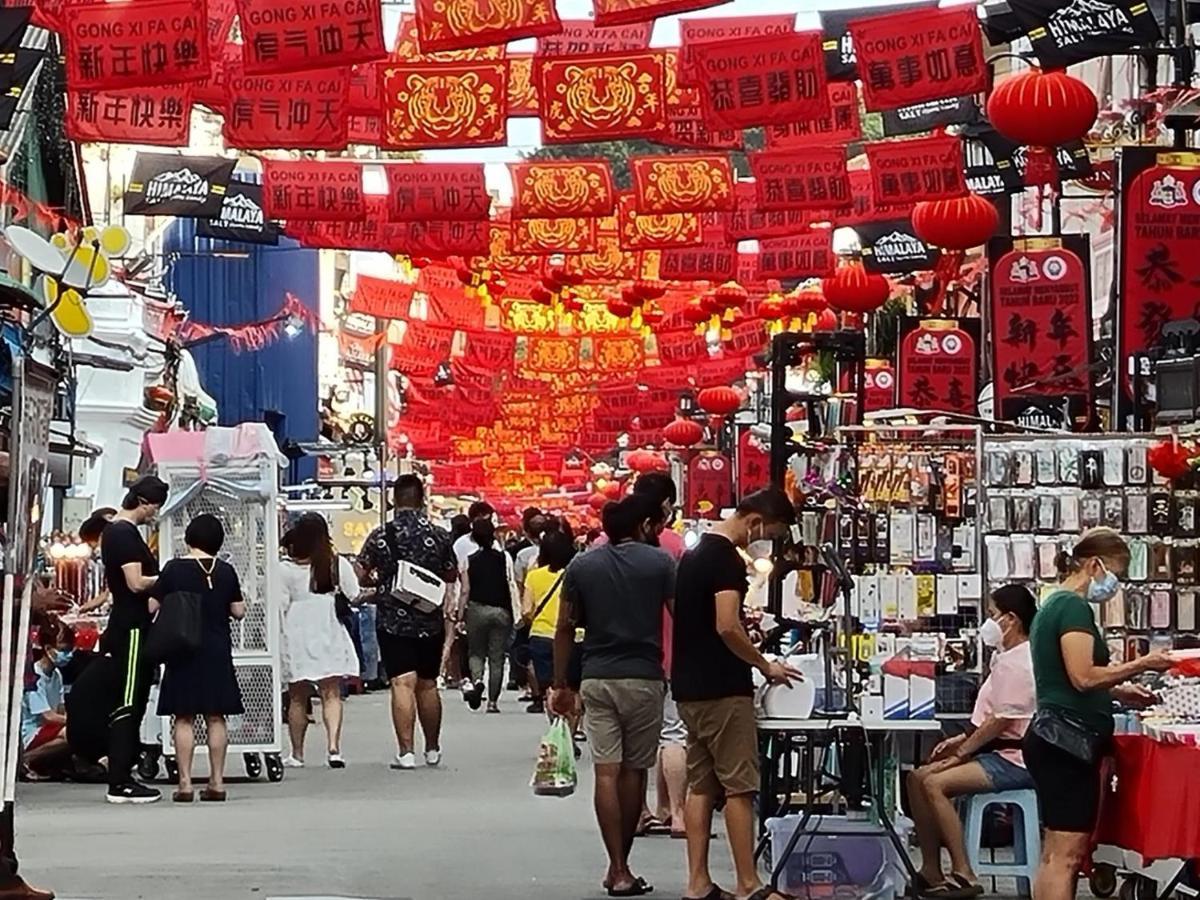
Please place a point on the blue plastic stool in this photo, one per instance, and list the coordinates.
(1027, 837)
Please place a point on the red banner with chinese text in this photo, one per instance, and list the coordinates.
(686, 126)
(327, 191)
(708, 485)
(363, 97)
(798, 256)
(841, 126)
(383, 298)
(671, 184)
(549, 190)
(722, 371)
(447, 191)
(444, 105)
(490, 350)
(905, 172)
(305, 111)
(463, 24)
(407, 48)
(749, 222)
(753, 464)
(656, 232)
(503, 258)
(602, 97)
(158, 116)
(879, 383)
(582, 37)
(282, 36)
(694, 32)
(435, 239)
(937, 367)
(144, 44)
(544, 237)
(213, 91)
(621, 12)
(814, 178)
(709, 261)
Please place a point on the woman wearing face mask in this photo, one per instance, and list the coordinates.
(43, 715)
(986, 759)
(1073, 726)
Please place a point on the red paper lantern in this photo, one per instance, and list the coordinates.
(649, 289)
(719, 401)
(420, 262)
(731, 295)
(827, 320)
(853, 289)
(694, 312)
(642, 461)
(653, 316)
(684, 433)
(711, 304)
(773, 308)
(619, 308)
(1042, 109)
(957, 224)
(803, 301)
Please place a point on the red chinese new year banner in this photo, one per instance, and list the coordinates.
(363, 98)
(724, 370)
(383, 298)
(158, 116)
(545, 237)
(608, 264)
(758, 80)
(668, 184)
(865, 208)
(435, 239)
(753, 464)
(220, 23)
(522, 87)
(616, 353)
(905, 59)
(694, 32)
(502, 258)
(452, 192)
(305, 111)
(749, 222)
(281, 36)
(815, 178)
(799, 256)
(879, 383)
(213, 90)
(462, 24)
(143, 44)
(708, 485)
(548, 190)
(549, 355)
(491, 350)
(582, 37)
(709, 261)
(602, 97)
(680, 347)
(923, 169)
(841, 126)
(937, 367)
(407, 48)
(656, 231)
(445, 105)
(423, 341)
(687, 128)
(622, 12)
(325, 191)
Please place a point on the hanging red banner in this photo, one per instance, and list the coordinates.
(363, 97)
(709, 261)
(445, 105)
(582, 37)
(323, 191)
(1041, 320)
(621, 12)
(799, 256)
(668, 184)
(708, 485)
(722, 371)
(879, 383)
(549, 355)
(694, 32)
(462, 24)
(753, 464)
(815, 178)
(548, 190)
(758, 80)
(544, 237)
(281, 36)
(865, 208)
(435, 239)
(522, 87)
(407, 50)
(143, 44)
(602, 97)
(608, 264)
(905, 59)
(502, 258)
(219, 24)
(306, 111)
(447, 299)
(213, 91)
(383, 298)
(364, 130)
(452, 192)
(937, 367)
(656, 232)
(687, 128)
(923, 169)
(841, 126)
(158, 116)
(749, 222)
(491, 350)
(616, 354)
(423, 341)
(680, 347)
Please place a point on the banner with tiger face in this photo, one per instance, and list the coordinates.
(445, 105)
(608, 96)
(460, 24)
(669, 184)
(546, 190)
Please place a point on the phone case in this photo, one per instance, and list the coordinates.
(997, 468)
(1183, 513)
(998, 520)
(1137, 512)
(1139, 560)
(1091, 511)
(1185, 559)
(1135, 465)
(1114, 511)
(1137, 610)
(1068, 513)
(999, 564)
(1047, 560)
(882, 552)
(1160, 608)
(1185, 611)
(1022, 513)
(1114, 466)
(1022, 551)
(1023, 468)
(1092, 469)
(901, 528)
(1160, 513)
(1047, 467)
(1160, 561)
(926, 547)
(1068, 466)
(1046, 519)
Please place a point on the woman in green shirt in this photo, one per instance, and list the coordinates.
(1075, 689)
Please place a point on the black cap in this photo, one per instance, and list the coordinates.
(147, 489)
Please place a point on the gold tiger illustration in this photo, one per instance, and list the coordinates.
(443, 104)
(554, 232)
(664, 227)
(602, 94)
(474, 16)
(562, 189)
(689, 182)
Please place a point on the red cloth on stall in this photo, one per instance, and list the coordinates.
(1153, 809)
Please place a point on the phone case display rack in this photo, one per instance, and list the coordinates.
(1040, 493)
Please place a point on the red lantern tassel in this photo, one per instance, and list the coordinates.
(1041, 168)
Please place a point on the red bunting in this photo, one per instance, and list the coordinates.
(159, 116)
(710, 261)
(923, 169)
(281, 36)
(608, 264)
(582, 37)
(680, 347)
(841, 126)
(306, 111)
(621, 12)
(667, 184)
(220, 23)
(445, 105)
(602, 97)
(693, 32)
(374, 232)
(757, 80)
(522, 87)
(364, 98)
(547, 190)
(463, 24)
(124, 45)
(383, 298)
(327, 191)
(904, 59)
(656, 231)
(448, 191)
(364, 130)
(407, 47)
(799, 256)
(687, 128)
(544, 237)
(724, 370)
(815, 178)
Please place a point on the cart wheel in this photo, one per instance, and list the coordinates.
(274, 767)
(1103, 881)
(173, 771)
(147, 767)
(254, 766)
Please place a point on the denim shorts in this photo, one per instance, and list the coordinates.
(1004, 775)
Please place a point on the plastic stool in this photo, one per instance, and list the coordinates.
(1027, 837)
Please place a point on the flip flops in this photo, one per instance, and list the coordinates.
(639, 888)
(714, 893)
(652, 825)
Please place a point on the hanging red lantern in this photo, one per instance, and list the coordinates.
(805, 300)
(642, 461)
(629, 295)
(497, 286)
(649, 288)
(539, 294)
(719, 401)
(772, 308)
(731, 295)
(465, 275)
(572, 303)
(684, 433)
(420, 262)
(710, 304)
(619, 308)
(694, 312)
(1042, 109)
(827, 320)
(573, 279)
(853, 289)
(957, 224)
(653, 316)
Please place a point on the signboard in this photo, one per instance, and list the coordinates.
(937, 364)
(892, 247)
(708, 485)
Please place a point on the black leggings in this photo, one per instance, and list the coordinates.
(125, 724)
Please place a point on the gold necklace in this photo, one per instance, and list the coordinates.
(208, 573)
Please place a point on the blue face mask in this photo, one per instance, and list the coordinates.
(61, 658)
(1104, 589)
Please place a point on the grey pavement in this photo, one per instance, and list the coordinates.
(470, 829)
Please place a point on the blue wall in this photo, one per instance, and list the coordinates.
(277, 383)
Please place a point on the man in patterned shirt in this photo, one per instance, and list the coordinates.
(410, 641)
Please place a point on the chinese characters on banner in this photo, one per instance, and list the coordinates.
(708, 485)
(320, 191)
(306, 111)
(374, 232)
(608, 264)
(687, 128)
(548, 190)
(622, 12)
(922, 169)
(815, 178)
(363, 97)
(383, 298)
(602, 97)
(447, 191)
(758, 80)
(125, 45)
(879, 383)
(709, 261)
(749, 222)
(1041, 320)
(693, 32)
(753, 464)
(666, 184)
(281, 36)
(799, 256)
(462, 24)
(158, 116)
(905, 59)
(838, 44)
(581, 37)
(841, 126)
(937, 367)
(444, 105)
(656, 232)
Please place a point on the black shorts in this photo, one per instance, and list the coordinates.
(402, 655)
(541, 655)
(1068, 789)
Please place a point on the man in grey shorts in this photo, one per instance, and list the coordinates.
(616, 593)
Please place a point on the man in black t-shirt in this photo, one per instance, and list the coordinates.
(131, 570)
(711, 683)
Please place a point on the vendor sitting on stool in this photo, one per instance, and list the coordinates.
(986, 759)
(43, 716)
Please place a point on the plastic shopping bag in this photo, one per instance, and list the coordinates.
(554, 775)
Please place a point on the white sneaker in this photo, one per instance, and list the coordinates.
(290, 762)
(336, 761)
(433, 758)
(404, 761)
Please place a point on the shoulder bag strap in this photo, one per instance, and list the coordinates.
(550, 593)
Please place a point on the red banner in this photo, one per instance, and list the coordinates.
(374, 232)
(710, 261)
(841, 126)
(490, 350)
(522, 87)
(159, 116)
(125, 45)
(815, 178)
(667, 184)
(462, 24)
(544, 237)
(656, 232)
(327, 191)
(758, 80)
(799, 256)
(621, 12)
(904, 59)
(306, 111)
(407, 48)
(879, 382)
(281, 36)
(445, 105)
(452, 192)
(548, 190)
(602, 97)
(923, 169)
(608, 264)
(364, 130)
(937, 367)
(749, 222)
(694, 32)
(364, 98)
(220, 23)
(213, 91)
(582, 37)
(383, 298)
(708, 485)
(753, 464)
(687, 128)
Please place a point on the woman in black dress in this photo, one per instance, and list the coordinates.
(204, 683)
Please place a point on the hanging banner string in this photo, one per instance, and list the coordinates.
(251, 335)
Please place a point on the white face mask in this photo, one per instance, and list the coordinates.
(991, 633)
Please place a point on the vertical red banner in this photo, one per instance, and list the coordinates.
(880, 385)
(938, 367)
(753, 464)
(708, 485)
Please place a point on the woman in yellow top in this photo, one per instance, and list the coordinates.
(543, 590)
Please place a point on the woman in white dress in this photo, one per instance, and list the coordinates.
(316, 646)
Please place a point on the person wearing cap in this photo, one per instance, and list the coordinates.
(131, 570)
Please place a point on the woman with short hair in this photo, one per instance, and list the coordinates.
(490, 594)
